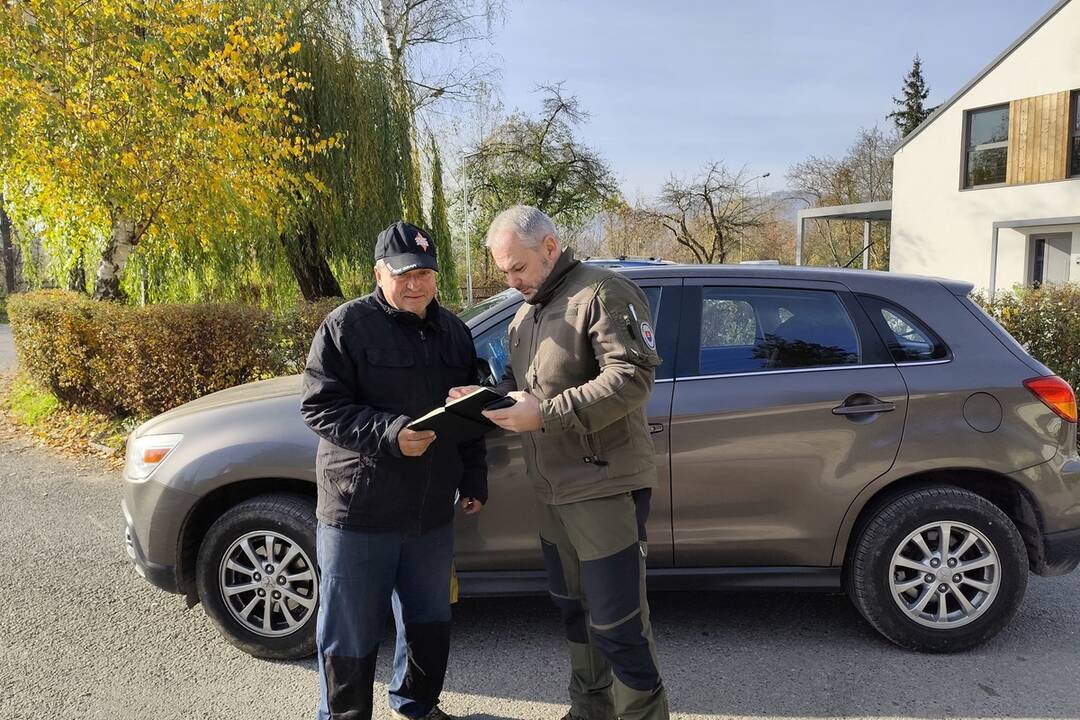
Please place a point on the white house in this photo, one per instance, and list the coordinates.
(987, 189)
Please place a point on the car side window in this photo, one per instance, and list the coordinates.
(493, 345)
(908, 339)
(652, 292)
(753, 329)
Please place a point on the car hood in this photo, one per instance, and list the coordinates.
(239, 395)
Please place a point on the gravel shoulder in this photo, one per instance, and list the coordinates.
(83, 637)
(7, 348)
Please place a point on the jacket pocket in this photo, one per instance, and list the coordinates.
(456, 361)
(390, 357)
(593, 449)
(361, 482)
(616, 446)
(387, 381)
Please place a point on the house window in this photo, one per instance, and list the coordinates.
(1074, 135)
(987, 146)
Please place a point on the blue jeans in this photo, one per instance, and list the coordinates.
(363, 576)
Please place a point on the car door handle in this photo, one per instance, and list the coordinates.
(864, 409)
(655, 428)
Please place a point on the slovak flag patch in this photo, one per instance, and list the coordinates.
(648, 336)
(422, 242)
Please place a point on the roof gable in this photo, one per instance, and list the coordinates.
(940, 109)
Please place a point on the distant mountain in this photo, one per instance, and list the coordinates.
(789, 203)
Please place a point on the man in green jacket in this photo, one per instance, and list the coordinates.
(582, 364)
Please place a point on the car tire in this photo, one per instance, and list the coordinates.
(237, 595)
(890, 573)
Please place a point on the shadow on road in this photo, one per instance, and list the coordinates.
(805, 655)
(784, 655)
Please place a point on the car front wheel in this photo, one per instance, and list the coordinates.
(257, 577)
(939, 569)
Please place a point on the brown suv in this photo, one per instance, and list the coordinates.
(814, 428)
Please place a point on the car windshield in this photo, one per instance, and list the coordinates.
(484, 305)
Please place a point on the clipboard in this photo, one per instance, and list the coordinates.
(461, 419)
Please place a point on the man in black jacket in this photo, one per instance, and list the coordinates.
(385, 492)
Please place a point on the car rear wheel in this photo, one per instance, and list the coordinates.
(939, 569)
(257, 578)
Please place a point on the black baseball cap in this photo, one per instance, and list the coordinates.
(405, 247)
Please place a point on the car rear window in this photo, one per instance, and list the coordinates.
(907, 337)
(754, 329)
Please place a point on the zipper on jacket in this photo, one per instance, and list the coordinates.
(592, 457)
(427, 455)
(535, 384)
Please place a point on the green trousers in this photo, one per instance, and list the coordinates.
(594, 552)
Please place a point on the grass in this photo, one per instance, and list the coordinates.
(69, 428)
(29, 406)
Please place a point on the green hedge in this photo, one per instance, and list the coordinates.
(142, 361)
(1046, 321)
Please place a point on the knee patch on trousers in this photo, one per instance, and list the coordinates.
(612, 585)
(428, 647)
(349, 690)
(570, 608)
(613, 588)
(628, 652)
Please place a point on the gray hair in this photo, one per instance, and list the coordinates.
(529, 224)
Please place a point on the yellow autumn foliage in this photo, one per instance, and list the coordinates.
(164, 112)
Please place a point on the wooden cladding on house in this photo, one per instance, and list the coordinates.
(1038, 139)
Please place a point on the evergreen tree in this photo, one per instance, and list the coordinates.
(449, 292)
(910, 112)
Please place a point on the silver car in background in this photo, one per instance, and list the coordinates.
(815, 429)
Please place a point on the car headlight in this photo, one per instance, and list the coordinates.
(145, 453)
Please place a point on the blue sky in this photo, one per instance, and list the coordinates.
(765, 83)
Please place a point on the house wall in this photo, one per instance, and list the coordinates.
(939, 228)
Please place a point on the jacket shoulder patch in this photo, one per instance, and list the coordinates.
(628, 309)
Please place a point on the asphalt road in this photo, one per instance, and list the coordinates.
(7, 348)
(81, 636)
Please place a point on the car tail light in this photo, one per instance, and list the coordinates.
(1056, 394)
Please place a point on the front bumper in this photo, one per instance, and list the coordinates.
(162, 576)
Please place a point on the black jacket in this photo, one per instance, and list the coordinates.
(371, 369)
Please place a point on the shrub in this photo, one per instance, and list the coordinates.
(53, 340)
(141, 361)
(1046, 321)
(138, 361)
(295, 329)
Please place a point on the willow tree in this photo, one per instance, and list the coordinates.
(325, 248)
(362, 179)
(440, 227)
(399, 31)
(148, 118)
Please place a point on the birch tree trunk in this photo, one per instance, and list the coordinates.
(114, 259)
